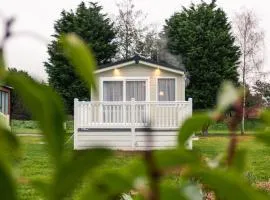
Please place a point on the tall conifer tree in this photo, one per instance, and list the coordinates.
(203, 36)
(89, 22)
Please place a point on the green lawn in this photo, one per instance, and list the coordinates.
(34, 163)
(251, 126)
(31, 127)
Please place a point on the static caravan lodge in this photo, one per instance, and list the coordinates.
(5, 101)
(132, 96)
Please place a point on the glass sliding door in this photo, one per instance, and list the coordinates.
(116, 91)
(113, 92)
(136, 90)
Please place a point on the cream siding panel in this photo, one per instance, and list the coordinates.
(139, 70)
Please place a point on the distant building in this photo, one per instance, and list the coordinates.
(5, 101)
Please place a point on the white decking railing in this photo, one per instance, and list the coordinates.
(131, 114)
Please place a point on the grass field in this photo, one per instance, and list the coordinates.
(35, 164)
(31, 127)
(221, 128)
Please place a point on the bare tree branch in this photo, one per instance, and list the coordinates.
(134, 35)
(250, 39)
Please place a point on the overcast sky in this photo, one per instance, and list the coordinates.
(24, 52)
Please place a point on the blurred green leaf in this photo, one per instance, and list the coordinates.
(42, 187)
(264, 136)
(174, 158)
(2, 62)
(46, 107)
(109, 185)
(9, 144)
(7, 186)
(191, 125)
(73, 171)
(192, 191)
(228, 185)
(265, 116)
(238, 162)
(169, 192)
(2, 65)
(80, 57)
(228, 95)
(6, 137)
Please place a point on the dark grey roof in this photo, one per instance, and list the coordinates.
(7, 87)
(138, 58)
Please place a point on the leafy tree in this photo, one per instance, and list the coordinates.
(89, 22)
(202, 35)
(262, 89)
(18, 109)
(252, 99)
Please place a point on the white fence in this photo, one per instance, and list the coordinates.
(119, 125)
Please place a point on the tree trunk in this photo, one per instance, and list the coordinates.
(205, 132)
(244, 113)
(205, 129)
(244, 94)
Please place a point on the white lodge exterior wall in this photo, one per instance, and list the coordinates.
(140, 70)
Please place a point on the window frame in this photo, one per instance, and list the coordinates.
(157, 88)
(122, 83)
(125, 79)
(4, 102)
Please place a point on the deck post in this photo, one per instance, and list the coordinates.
(190, 106)
(133, 136)
(190, 142)
(76, 102)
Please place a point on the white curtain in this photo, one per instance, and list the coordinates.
(136, 90)
(166, 89)
(113, 91)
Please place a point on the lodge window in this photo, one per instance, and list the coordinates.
(113, 90)
(124, 90)
(4, 102)
(166, 89)
(136, 90)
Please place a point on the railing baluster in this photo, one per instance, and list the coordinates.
(160, 114)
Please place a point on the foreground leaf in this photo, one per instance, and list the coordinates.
(238, 162)
(264, 136)
(191, 125)
(228, 185)
(192, 191)
(227, 96)
(175, 158)
(109, 185)
(74, 170)
(172, 193)
(80, 57)
(7, 139)
(46, 108)
(7, 187)
(265, 117)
